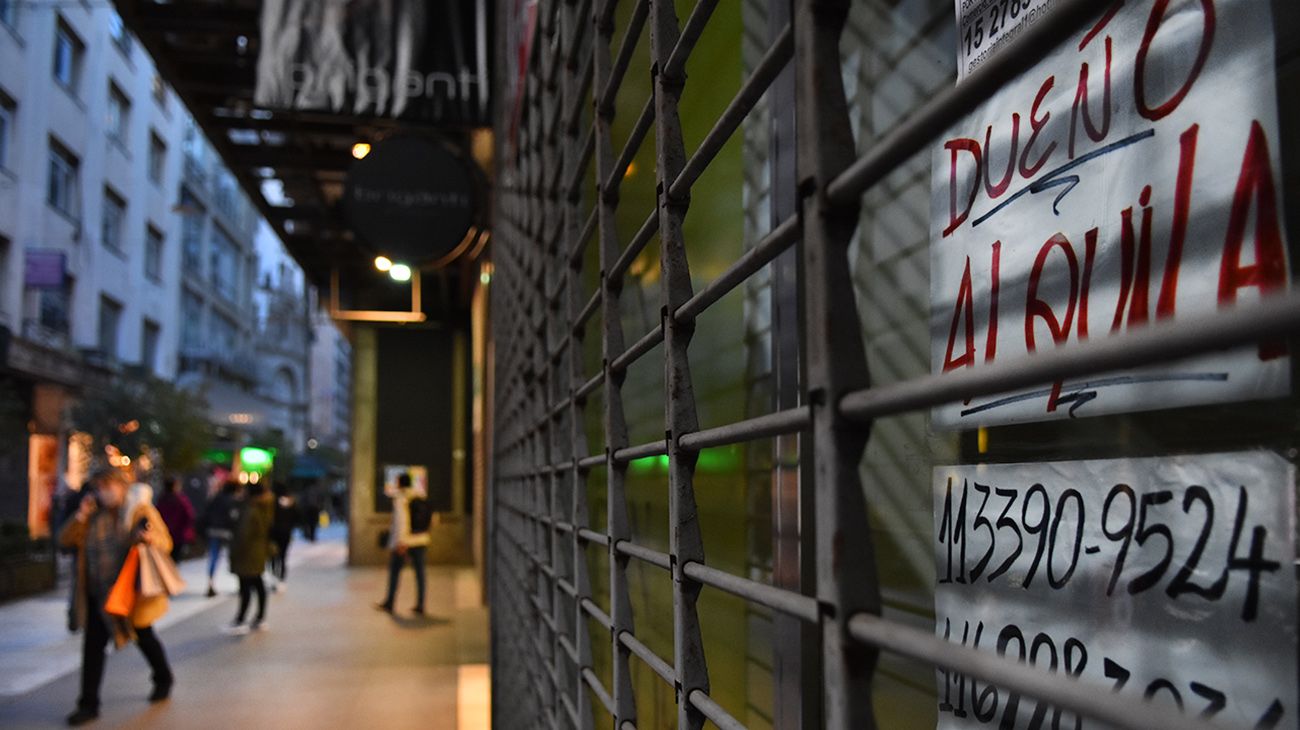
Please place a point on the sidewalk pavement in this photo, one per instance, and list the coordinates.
(328, 659)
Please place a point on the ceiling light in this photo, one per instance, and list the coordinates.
(400, 272)
(383, 263)
(360, 150)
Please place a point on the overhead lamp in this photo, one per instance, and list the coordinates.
(360, 150)
(400, 272)
(383, 263)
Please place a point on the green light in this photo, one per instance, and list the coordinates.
(255, 459)
(218, 456)
(712, 461)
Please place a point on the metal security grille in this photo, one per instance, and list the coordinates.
(542, 602)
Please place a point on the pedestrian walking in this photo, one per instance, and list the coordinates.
(248, 553)
(106, 525)
(408, 539)
(286, 513)
(219, 524)
(178, 513)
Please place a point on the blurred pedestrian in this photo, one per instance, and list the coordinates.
(107, 524)
(309, 508)
(248, 553)
(286, 513)
(408, 538)
(178, 512)
(219, 524)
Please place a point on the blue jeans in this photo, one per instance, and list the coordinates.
(395, 560)
(214, 553)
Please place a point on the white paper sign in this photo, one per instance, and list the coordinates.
(1131, 177)
(1169, 578)
(986, 26)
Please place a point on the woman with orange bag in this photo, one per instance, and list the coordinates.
(104, 530)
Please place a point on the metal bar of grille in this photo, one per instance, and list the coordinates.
(743, 103)
(653, 557)
(614, 79)
(634, 249)
(632, 453)
(836, 363)
(1069, 694)
(691, 32)
(616, 512)
(638, 348)
(580, 246)
(599, 690)
(714, 711)
(633, 144)
(762, 254)
(1271, 319)
(652, 660)
(772, 424)
(777, 599)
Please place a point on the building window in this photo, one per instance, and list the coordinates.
(159, 92)
(112, 220)
(153, 253)
(149, 346)
(6, 129)
(118, 33)
(191, 234)
(223, 334)
(110, 322)
(157, 158)
(119, 115)
(56, 307)
(224, 265)
(191, 322)
(63, 185)
(68, 54)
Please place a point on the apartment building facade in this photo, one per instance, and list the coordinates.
(89, 268)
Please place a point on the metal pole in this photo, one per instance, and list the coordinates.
(835, 364)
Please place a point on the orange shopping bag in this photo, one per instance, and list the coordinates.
(121, 599)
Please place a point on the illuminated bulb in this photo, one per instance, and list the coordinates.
(400, 272)
(383, 263)
(484, 278)
(360, 150)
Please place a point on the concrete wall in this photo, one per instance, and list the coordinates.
(451, 530)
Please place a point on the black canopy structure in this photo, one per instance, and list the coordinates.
(287, 91)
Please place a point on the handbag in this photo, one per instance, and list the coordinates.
(383, 539)
(161, 570)
(121, 598)
(150, 582)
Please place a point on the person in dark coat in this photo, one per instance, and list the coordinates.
(178, 512)
(286, 513)
(219, 524)
(249, 551)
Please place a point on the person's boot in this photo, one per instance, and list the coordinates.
(212, 592)
(82, 716)
(161, 691)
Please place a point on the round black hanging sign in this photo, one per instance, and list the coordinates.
(410, 199)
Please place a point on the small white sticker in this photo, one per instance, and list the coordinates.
(986, 26)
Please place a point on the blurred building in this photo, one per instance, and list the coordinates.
(90, 162)
(282, 341)
(331, 383)
(127, 248)
(218, 229)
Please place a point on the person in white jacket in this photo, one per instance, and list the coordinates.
(405, 543)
